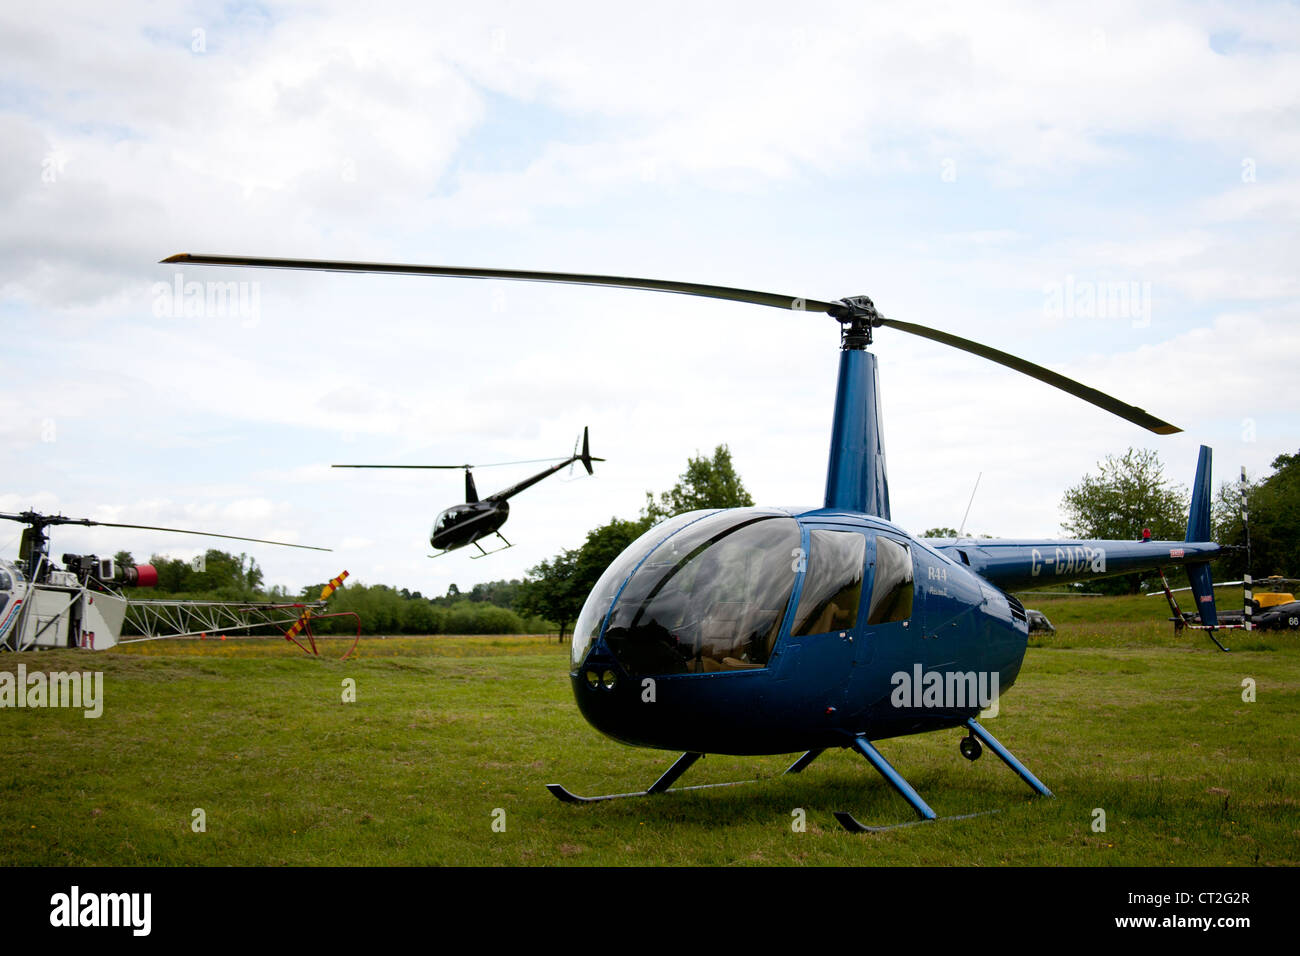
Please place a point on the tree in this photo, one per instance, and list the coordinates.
(557, 589)
(224, 576)
(1126, 496)
(1129, 494)
(1273, 512)
(706, 483)
(549, 591)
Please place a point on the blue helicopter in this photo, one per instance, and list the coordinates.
(767, 631)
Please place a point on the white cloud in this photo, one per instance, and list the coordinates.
(751, 144)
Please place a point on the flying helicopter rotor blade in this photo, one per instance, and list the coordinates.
(491, 464)
(1132, 413)
(771, 299)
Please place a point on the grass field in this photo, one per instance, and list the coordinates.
(1112, 713)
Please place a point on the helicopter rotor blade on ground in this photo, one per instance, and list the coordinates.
(845, 311)
(47, 520)
(210, 534)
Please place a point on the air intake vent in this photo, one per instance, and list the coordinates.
(1017, 609)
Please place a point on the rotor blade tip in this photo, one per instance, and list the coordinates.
(178, 257)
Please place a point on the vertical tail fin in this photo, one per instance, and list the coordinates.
(586, 451)
(1198, 529)
(1198, 516)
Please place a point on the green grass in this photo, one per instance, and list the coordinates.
(1112, 715)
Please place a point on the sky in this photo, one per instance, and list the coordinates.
(1109, 192)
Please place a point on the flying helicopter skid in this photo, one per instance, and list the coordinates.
(484, 554)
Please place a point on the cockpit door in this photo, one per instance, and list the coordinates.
(889, 632)
(818, 654)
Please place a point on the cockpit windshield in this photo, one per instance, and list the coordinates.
(447, 519)
(710, 598)
(602, 595)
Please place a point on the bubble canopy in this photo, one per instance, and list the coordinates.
(707, 592)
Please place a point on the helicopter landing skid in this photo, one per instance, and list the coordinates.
(849, 822)
(905, 789)
(484, 554)
(481, 554)
(662, 785)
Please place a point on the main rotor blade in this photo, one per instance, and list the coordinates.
(491, 464)
(1132, 413)
(462, 272)
(1113, 405)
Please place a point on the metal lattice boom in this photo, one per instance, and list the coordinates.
(154, 620)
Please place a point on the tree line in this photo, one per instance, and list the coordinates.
(1127, 494)
(490, 608)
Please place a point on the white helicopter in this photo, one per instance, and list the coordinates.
(43, 605)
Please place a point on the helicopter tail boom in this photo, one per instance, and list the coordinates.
(1018, 564)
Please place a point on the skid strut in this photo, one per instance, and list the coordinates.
(1007, 758)
(895, 779)
(662, 785)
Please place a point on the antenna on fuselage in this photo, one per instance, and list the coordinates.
(962, 529)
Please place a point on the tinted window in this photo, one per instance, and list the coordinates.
(832, 587)
(587, 629)
(711, 598)
(891, 592)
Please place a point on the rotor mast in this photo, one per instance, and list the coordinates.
(856, 477)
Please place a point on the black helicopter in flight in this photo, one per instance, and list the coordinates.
(778, 630)
(475, 518)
